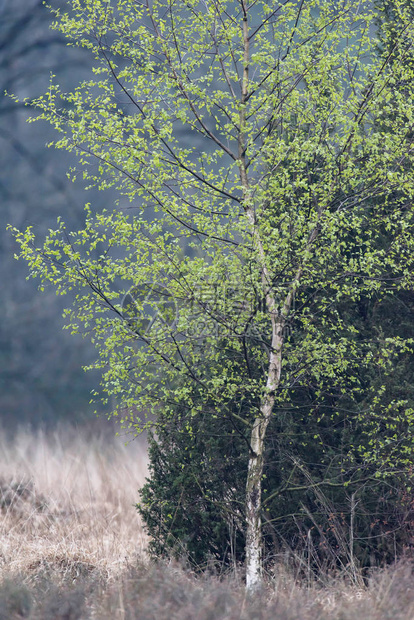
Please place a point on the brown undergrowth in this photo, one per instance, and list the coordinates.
(72, 548)
(67, 501)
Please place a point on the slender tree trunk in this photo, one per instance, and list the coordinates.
(278, 317)
(261, 422)
(253, 506)
(256, 462)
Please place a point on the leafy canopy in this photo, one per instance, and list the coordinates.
(266, 152)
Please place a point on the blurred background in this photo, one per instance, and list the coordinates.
(41, 376)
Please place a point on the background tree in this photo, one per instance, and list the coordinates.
(295, 205)
(39, 381)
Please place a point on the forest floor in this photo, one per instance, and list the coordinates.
(72, 547)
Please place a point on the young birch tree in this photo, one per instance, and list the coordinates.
(266, 150)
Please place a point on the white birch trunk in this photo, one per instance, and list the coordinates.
(278, 317)
(253, 507)
(255, 466)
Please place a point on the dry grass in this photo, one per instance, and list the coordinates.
(72, 548)
(66, 501)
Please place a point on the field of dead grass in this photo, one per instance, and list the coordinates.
(66, 501)
(72, 547)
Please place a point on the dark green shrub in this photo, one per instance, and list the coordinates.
(192, 503)
(15, 599)
(320, 491)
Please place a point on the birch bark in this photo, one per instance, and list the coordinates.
(261, 422)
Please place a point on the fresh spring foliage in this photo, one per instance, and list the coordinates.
(266, 151)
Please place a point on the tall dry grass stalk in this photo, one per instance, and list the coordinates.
(67, 501)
